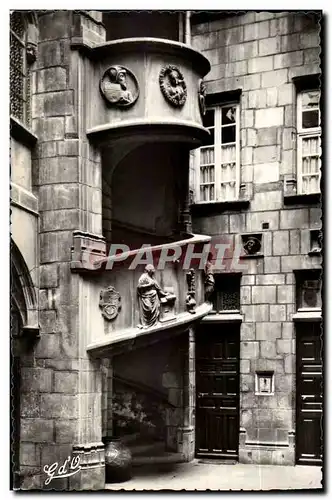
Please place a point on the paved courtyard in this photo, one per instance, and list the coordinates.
(208, 476)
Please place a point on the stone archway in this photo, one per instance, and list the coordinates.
(23, 321)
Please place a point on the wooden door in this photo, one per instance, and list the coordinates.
(217, 391)
(309, 394)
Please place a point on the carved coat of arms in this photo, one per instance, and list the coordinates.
(110, 303)
(173, 86)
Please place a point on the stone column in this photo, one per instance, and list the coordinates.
(186, 433)
(67, 178)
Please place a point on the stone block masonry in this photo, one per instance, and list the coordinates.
(61, 387)
(276, 47)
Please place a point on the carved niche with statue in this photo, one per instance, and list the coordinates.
(153, 300)
(173, 86)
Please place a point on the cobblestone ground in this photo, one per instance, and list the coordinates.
(202, 476)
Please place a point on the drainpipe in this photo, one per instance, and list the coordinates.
(187, 30)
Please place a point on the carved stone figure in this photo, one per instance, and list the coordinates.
(190, 300)
(209, 282)
(201, 97)
(110, 303)
(115, 88)
(173, 86)
(150, 297)
(252, 244)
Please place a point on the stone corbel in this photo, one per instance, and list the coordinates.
(87, 30)
(88, 252)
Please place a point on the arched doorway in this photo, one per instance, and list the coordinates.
(23, 319)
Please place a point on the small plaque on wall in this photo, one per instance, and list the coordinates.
(264, 383)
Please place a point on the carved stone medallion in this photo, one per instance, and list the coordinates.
(173, 86)
(119, 86)
(110, 303)
(201, 97)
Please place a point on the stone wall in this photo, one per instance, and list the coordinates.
(260, 53)
(61, 400)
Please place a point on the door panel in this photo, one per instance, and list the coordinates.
(309, 395)
(217, 389)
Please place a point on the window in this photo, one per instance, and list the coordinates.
(19, 70)
(226, 295)
(308, 142)
(218, 163)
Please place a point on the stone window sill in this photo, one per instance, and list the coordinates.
(22, 133)
(218, 206)
(302, 199)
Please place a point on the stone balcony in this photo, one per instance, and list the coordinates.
(144, 88)
(110, 305)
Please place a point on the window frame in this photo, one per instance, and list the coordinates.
(217, 145)
(221, 288)
(306, 133)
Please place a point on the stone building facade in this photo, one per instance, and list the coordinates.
(264, 63)
(110, 146)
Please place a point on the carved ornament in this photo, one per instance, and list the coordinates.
(110, 303)
(252, 244)
(201, 97)
(31, 52)
(190, 299)
(119, 86)
(152, 298)
(173, 86)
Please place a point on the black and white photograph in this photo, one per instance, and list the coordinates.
(166, 231)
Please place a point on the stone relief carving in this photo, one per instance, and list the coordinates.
(119, 86)
(173, 86)
(252, 243)
(110, 303)
(201, 97)
(151, 297)
(190, 300)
